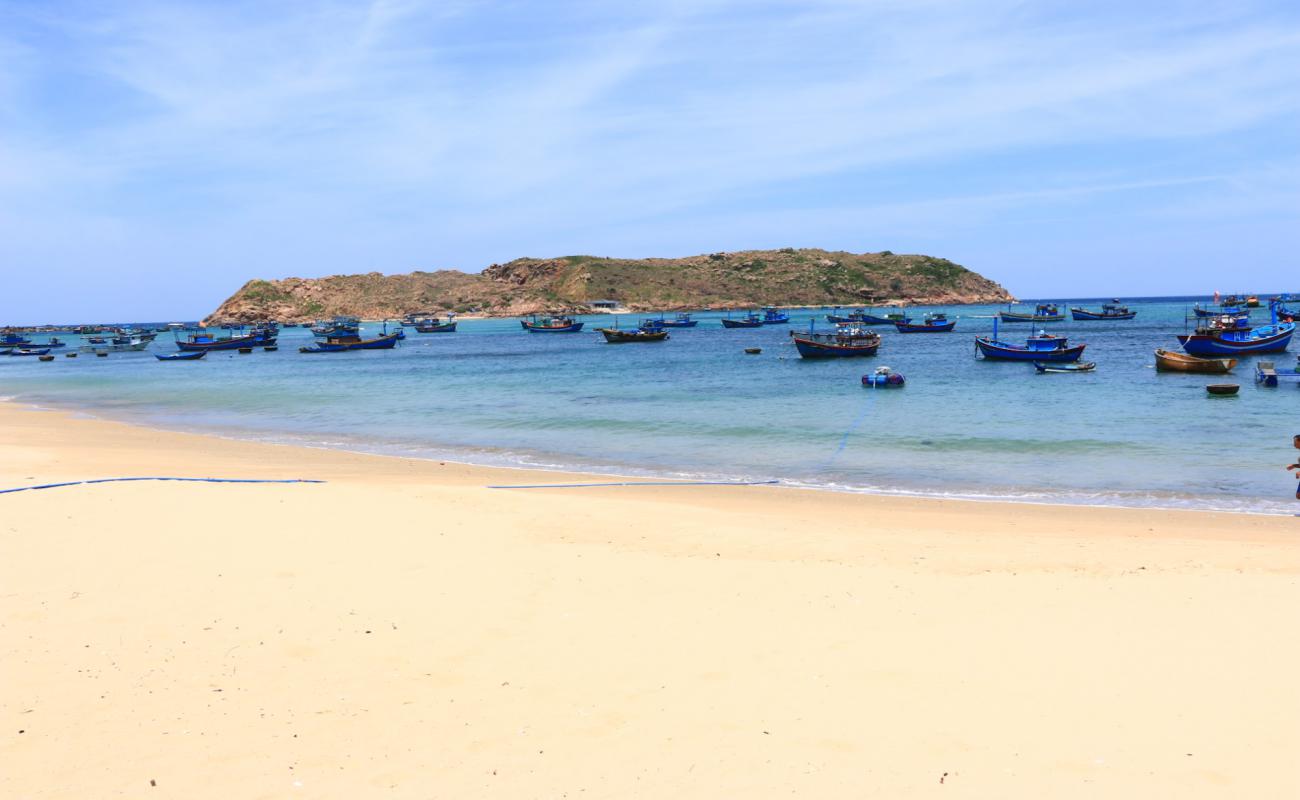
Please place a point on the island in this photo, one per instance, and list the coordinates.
(582, 284)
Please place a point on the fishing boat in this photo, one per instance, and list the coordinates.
(863, 317)
(1252, 301)
(1043, 347)
(183, 355)
(29, 351)
(884, 378)
(1267, 374)
(1087, 366)
(1210, 341)
(1109, 311)
(649, 325)
(1043, 312)
(346, 343)
(681, 320)
(339, 326)
(848, 340)
(434, 325)
(934, 323)
(750, 320)
(551, 325)
(617, 336)
(1169, 361)
(771, 316)
(10, 339)
(206, 341)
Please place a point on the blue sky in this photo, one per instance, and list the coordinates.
(155, 155)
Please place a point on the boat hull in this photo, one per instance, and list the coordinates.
(616, 336)
(1001, 351)
(1167, 361)
(232, 343)
(1222, 344)
(1084, 315)
(574, 328)
(449, 327)
(192, 355)
(941, 327)
(741, 323)
(811, 348)
(1011, 316)
(382, 343)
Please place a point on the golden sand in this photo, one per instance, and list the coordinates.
(403, 631)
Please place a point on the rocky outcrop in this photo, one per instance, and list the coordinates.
(787, 277)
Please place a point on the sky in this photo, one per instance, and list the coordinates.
(156, 155)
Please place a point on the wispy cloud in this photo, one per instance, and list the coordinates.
(307, 138)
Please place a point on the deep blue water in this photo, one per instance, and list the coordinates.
(697, 406)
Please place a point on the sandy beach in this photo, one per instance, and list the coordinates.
(401, 630)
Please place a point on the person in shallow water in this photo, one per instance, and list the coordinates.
(1296, 466)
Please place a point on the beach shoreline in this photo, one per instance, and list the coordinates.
(402, 629)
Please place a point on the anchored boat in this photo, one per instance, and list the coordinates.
(1109, 311)
(1043, 347)
(1043, 312)
(345, 343)
(750, 320)
(847, 341)
(1169, 361)
(617, 336)
(934, 323)
(1215, 341)
(551, 325)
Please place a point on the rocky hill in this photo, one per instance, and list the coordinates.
(786, 277)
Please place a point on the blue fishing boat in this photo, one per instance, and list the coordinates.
(648, 325)
(863, 317)
(14, 340)
(1215, 341)
(681, 320)
(750, 320)
(1043, 347)
(771, 316)
(617, 336)
(183, 355)
(343, 344)
(339, 326)
(551, 325)
(848, 340)
(29, 351)
(1109, 311)
(1043, 312)
(934, 323)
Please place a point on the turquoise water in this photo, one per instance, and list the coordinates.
(697, 406)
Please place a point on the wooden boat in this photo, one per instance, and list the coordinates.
(1223, 388)
(1169, 361)
(343, 344)
(1267, 374)
(884, 378)
(1043, 312)
(616, 336)
(1209, 341)
(847, 341)
(45, 358)
(753, 351)
(551, 325)
(773, 317)
(750, 320)
(1109, 311)
(934, 323)
(183, 355)
(1043, 347)
(1087, 366)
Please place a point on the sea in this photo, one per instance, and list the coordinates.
(698, 407)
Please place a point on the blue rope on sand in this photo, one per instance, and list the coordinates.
(197, 480)
(631, 483)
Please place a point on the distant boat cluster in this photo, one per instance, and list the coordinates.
(1223, 332)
